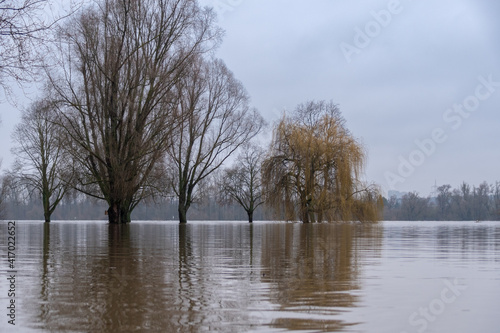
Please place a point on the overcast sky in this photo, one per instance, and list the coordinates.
(417, 81)
(398, 78)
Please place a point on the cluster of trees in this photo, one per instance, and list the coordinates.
(19, 205)
(135, 108)
(464, 203)
(22, 30)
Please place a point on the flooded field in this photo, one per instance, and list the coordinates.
(262, 277)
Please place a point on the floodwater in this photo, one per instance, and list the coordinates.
(266, 277)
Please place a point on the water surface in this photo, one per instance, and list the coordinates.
(265, 277)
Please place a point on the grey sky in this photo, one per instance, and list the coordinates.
(408, 70)
(418, 63)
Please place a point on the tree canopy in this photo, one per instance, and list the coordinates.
(214, 120)
(242, 183)
(41, 165)
(119, 62)
(314, 166)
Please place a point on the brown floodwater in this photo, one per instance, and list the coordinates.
(398, 277)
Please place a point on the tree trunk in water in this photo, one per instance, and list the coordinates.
(305, 215)
(320, 216)
(118, 214)
(250, 216)
(182, 215)
(46, 208)
(182, 209)
(184, 204)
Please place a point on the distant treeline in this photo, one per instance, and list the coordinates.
(81, 207)
(464, 203)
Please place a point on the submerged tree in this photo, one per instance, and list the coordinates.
(313, 168)
(242, 183)
(215, 119)
(120, 61)
(40, 165)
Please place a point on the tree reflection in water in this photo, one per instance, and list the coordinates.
(187, 278)
(314, 268)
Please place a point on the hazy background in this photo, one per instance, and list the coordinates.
(420, 62)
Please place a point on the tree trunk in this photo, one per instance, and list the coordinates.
(184, 204)
(182, 214)
(182, 209)
(304, 209)
(250, 216)
(305, 214)
(118, 214)
(46, 206)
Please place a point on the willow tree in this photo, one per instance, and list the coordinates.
(314, 166)
(215, 119)
(118, 64)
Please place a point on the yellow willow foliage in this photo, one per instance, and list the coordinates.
(313, 168)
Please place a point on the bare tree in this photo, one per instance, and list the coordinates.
(120, 61)
(481, 201)
(40, 165)
(215, 121)
(391, 208)
(242, 182)
(10, 195)
(443, 201)
(462, 202)
(313, 167)
(414, 207)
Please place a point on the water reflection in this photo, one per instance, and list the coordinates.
(314, 270)
(230, 277)
(169, 277)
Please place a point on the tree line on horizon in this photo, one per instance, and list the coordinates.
(464, 203)
(136, 110)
